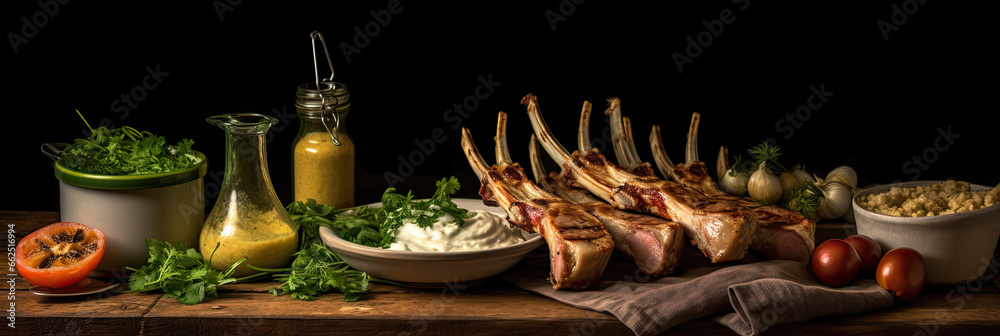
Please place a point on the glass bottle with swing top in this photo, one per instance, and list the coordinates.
(323, 153)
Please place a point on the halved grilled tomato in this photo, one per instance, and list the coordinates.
(59, 254)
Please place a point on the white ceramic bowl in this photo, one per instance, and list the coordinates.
(956, 247)
(433, 269)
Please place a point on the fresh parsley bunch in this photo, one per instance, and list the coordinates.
(126, 151)
(180, 272)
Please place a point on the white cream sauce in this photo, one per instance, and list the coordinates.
(482, 231)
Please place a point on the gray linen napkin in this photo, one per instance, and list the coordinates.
(747, 297)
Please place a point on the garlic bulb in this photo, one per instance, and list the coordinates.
(801, 175)
(845, 175)
(734, 183)
(836, 200)
(788, 183)
(764, 186)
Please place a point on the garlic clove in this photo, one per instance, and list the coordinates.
(764, 186)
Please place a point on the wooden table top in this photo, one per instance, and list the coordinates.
(491, 308)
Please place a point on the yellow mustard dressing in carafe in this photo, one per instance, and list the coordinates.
(247, 220)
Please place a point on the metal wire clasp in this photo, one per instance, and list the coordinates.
(327, 101)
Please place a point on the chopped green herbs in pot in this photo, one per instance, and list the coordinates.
(126, 151)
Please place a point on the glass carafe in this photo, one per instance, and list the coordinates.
(247, 220)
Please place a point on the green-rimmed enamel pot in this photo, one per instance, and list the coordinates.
(130, 208)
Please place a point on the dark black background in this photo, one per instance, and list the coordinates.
(890, 97)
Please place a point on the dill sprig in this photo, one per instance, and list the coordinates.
(765, 152)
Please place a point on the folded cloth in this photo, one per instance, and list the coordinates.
(746, 297)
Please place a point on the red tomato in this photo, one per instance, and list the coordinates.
(835, 262)
(59, 254)
(901, 271)
(868, 249)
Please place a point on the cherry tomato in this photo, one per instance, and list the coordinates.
(835, 262)
(59, 254)
(901, 272)
(868, 249)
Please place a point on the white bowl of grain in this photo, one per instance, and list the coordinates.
(957, 244)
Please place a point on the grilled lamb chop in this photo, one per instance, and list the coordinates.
(722, 229)
(653, 243)
(579, 246)
(781, 233)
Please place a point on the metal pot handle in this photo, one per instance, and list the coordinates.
(53, 150)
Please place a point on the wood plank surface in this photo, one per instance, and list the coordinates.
(491, 308)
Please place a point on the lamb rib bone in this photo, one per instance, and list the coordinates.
(654, 244)
(781, 233)
(721, 229)
(721, 164)
(579, 246)
(621, 138)
(692, 172)
(583, 135)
